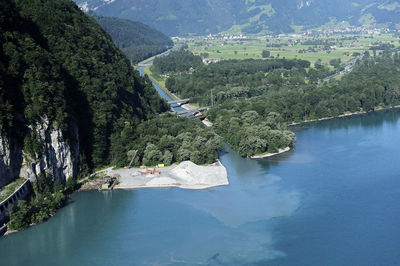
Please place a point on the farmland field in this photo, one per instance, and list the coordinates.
(299, 46)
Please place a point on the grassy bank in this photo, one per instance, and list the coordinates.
(160, 81)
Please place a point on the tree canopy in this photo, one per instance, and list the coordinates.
(60, 64)
(246, 93)
(166, 139)
(176, 62)
(137, 40)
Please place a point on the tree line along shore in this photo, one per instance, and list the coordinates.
(255, 100)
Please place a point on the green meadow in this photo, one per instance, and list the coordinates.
(290, 47)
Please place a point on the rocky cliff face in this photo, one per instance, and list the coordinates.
(58, 157)
(10, 159)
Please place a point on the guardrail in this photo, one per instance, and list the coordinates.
(19, 193)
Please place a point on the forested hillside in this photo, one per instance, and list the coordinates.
(186, 17)
(137, 40)
(60, 68)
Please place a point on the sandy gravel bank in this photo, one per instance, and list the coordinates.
(185, 175)
(270, 154)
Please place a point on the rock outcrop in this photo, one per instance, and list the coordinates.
(58, 157)
(10, 159)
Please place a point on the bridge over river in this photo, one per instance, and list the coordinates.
(176, 104)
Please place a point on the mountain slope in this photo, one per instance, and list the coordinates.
(314, 13)
(65, 91)
(137, 40)
(172, 17)
(126, 33)
(183, 17)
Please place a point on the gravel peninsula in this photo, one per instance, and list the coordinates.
(185, 175)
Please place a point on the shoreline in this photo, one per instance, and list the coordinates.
(266, 155)
(343, 115)
(186, 175)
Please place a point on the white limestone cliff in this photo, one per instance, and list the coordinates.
(58, 157)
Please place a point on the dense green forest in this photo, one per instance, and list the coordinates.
(59, 63)
(239, 78)
(248, 94)
(46, 199)
(248, 131)
(372, 84)
(166, 139)
(137, 40)
(295, 91)
(176, 62)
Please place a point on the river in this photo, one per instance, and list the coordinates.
(161, 92)
(334, 200)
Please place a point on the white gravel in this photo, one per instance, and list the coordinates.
(270, 154)
(185, 175)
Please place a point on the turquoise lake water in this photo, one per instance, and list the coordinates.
(334, 200)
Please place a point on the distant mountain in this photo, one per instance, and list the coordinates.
(185, 17)
(172, 17)
(137, 40)
(284, 14)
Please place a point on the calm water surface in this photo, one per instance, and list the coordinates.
(334, 200)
